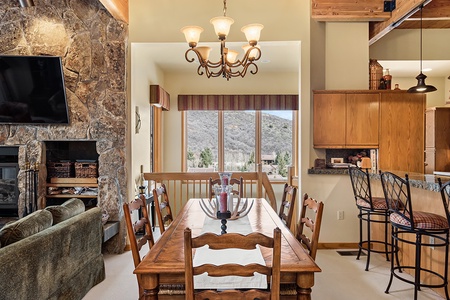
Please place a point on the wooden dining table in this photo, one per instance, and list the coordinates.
(163, 266)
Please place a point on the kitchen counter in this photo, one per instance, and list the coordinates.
(417, 180)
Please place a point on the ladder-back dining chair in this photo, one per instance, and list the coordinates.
(310, 239)
(287, 206)
(163, 210)
(238, 186)
(239, 241)
(371, 210)
(139, 232)
(422, 226)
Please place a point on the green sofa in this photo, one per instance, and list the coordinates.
(52, 261)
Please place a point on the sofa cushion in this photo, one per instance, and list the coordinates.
(25, 227)
(67, 210)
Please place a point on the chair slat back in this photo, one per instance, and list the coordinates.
(238, 186)
(398, 195)
(140, 226)
(163, 210)
(310, 240)
(287, 206)
(233, 240)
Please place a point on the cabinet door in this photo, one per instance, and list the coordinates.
(329, 121)
(402, 141)
(362, 120)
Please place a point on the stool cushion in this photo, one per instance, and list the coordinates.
(422, 220)
(377, 203)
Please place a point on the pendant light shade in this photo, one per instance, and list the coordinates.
(421, 86)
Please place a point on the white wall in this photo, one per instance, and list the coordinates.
(144, 72)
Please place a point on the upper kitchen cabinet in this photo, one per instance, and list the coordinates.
(346, 119)
(402, 131)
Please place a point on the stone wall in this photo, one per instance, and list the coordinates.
(92, 45)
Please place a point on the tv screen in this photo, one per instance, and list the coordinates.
(32, 90)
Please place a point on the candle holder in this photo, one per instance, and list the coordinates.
(215, 208)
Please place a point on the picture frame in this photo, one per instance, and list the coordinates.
(337, 160)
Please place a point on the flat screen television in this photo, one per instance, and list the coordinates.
(32, 90)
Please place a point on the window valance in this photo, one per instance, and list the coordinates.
(237, 102)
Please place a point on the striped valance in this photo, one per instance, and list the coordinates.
(237, 102)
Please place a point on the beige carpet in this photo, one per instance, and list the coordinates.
(342, 277)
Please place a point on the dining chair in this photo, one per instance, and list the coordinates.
(287, 206)
(163, 210)
(310, 240)
(370, 210)
(416, 228)
(239, 241)
(238, 183)
(134, 229)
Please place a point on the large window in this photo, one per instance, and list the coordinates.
(238, 140)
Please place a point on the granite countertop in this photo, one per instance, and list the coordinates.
(417, 180)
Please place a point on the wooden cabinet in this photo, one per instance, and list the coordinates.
(437, 139)
(392, 121)
(345, 119)
(402, 130)
(329, 120)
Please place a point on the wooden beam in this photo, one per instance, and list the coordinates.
(435, 15)
(117, 8)
(348, 10)
(404, 9)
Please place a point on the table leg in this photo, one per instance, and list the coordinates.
(305, 281)
(150, 287)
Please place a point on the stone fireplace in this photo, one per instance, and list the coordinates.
(92, 45)
(9, 193)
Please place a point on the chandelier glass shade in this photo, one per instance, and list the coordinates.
(228, 65)
(421, 86)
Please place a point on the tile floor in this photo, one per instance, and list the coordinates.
(342, 277)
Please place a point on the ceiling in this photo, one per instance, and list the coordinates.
(171, 56)
(411, 68)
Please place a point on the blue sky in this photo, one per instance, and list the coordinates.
(285, 114)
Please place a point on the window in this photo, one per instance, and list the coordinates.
(202, 141)
(276, 143)
(242, 131)
(239, 140)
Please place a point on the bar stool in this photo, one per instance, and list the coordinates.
(406, 221)
(369, 207)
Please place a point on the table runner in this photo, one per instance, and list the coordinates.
(205, 255)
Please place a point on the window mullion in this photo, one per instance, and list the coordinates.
(258, 135)
(220, 150)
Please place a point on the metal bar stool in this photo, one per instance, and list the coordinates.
(406, 221)
(371, 210)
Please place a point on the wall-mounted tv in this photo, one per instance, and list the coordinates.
(32, 90)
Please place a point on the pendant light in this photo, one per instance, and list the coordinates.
(421, 87)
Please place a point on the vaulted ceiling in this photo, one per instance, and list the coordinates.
(406, 15)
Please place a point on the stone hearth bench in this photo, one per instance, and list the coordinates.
(54, 253)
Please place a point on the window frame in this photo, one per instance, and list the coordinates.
(258, 140)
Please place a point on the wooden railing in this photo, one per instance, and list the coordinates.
(181, 186)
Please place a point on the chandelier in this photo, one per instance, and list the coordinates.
(228, 66)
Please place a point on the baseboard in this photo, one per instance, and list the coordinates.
(338, 245)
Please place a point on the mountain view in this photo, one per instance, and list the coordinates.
(239, 138)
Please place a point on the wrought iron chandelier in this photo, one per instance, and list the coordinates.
(228, 66)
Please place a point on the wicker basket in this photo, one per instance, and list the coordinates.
(85, 170)
(60, 169)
